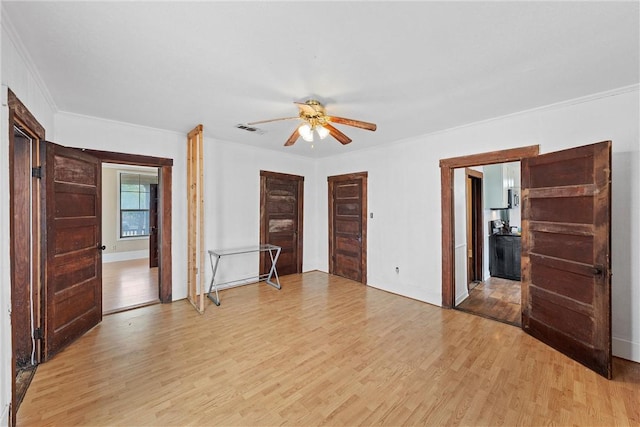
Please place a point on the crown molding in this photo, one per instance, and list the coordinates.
(13, 36)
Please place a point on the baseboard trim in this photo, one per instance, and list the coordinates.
(626, 349)
(462, 297)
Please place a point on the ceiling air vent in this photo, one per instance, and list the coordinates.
(250, 129)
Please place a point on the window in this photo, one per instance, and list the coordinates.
(135, 192)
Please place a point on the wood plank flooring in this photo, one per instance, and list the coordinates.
(321, 351)
(495, 298)
(128, 284)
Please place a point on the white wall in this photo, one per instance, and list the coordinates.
(232, 203)
(232, 187)
(460, 231)
(17, 75)
(404, 193)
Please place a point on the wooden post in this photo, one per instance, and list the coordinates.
(195, 218)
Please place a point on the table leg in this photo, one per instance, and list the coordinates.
(273, 270)
(214, 268)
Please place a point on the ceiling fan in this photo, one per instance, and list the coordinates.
(314, 117)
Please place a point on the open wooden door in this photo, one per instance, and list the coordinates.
(475, 226)
(72, 245)
(566, 247)
(153, 225)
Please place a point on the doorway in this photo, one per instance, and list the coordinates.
(129, 234)
(25, 133)
(492, 241)
(42, 175)
(566, 247)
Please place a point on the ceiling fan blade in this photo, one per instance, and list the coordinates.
(293, 138)
(350, 122)
(341, 137)
(272, 120)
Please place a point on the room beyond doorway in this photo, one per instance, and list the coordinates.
(495, 298)
(128, 284)
(129, 234)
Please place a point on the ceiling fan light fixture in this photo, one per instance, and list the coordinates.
(306, 132)
(323, 132)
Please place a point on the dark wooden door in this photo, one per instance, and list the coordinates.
(281, 215)
(475, 226)
(566, 262)
(72, 244)
(153, 225)
(21, 251)
(348, 226)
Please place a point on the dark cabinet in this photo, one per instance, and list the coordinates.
(504, 256)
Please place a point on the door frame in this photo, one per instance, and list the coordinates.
(475, 226)
(331, 181)
(263, 211)
(447, 167)
(165, 169)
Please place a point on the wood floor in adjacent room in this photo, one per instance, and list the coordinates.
(321, 351)
(128, 284)
(495, 298)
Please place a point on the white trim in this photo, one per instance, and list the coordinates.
(143, 169)
(554, 106)
(124, 256)
(625, 349)
(28, 62)
(117, 122)
(461, 298)
(542, 108)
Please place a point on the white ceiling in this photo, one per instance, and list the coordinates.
(411, 67)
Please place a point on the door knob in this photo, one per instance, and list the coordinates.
(101, 247)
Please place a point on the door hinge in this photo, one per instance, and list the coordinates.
(37, 333)
(36, 172)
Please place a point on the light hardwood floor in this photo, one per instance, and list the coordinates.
(128, 284)
(321, 351)
(495, 298)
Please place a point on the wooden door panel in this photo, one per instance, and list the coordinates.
(283, 225)
(574, 210)
(21, 233)
(566, 292)
(281, 220)
(563, 277)
(73, 282)
(153, 225)
(347, 226)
